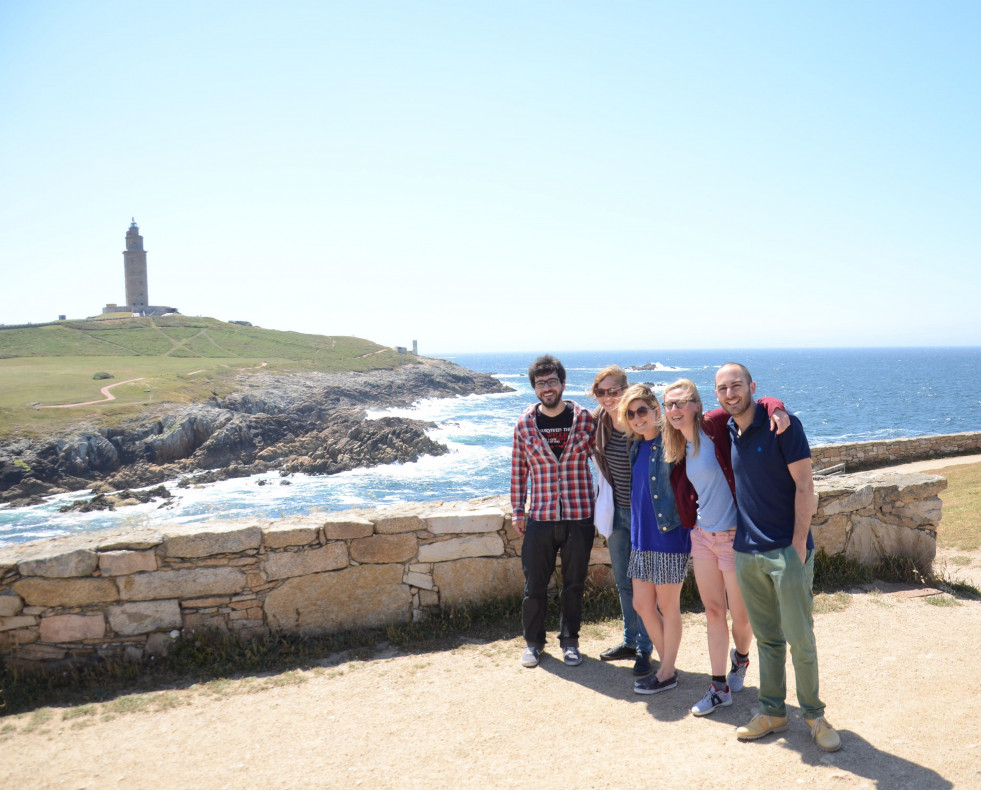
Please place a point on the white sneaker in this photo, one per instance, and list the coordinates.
(737, 674)
(531, 657)
(714, 698)
(571, 656)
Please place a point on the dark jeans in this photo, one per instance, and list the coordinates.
(573, 542)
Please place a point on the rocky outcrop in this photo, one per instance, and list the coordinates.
(309, 422)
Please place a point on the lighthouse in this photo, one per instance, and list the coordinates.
(134, 265)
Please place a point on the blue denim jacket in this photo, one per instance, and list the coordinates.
(662, 492)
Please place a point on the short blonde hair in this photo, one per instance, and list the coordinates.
(610, 370)
(674, 440)
(644, 392)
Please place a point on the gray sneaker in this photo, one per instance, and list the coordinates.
(714, 698)
(737, 674)
(531, 657)
(571, 656)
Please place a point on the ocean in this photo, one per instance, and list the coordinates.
(841, 395)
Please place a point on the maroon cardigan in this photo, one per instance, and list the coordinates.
(716, 427)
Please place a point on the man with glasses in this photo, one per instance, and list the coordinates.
(774, 555)
(552, 507)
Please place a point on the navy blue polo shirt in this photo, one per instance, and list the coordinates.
(765, 489)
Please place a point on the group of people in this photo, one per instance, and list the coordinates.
(729, 492)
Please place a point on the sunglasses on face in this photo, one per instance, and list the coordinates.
(642, 411)
(611, 391)
(677, 404)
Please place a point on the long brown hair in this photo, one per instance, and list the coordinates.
(610, 370)
(674, 440)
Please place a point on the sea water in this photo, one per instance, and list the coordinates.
(841, 395)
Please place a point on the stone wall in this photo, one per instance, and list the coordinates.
(869, 455)
(129, 594)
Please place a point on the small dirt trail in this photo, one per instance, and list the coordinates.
(106, 396)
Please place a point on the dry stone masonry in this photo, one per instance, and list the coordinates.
(868, 455)
(129, 594)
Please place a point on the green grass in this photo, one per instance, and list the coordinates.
(180, 359)
(960, 527)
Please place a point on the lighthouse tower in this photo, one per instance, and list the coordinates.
(134, 264)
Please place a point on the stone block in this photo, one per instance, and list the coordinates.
(66, 592)
(123, 563)
(843, 500)
(478, 580)
(831, 535)
(284, 564)
(41, 652)
(72, 627)
(421, 580)
(384, 548)
(10, 605)
(428, 598)
(600, 576)
(461, 548)
(141, 618)
(464, 521)
(347, 527)
(392, 525)
(80, 562)
(920, 513)
(186, 583)
(872, 540)
(21, 621)
(211, 539)
(360, 597)
(281, 534)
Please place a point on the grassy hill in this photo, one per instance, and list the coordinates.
(177, 359)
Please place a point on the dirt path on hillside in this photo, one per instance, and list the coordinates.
(899, 676)
(106, 396)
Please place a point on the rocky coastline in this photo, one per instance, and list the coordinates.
(309, 422)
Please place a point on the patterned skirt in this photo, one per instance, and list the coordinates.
(657, 567)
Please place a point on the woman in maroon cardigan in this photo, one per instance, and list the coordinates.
(705, 493)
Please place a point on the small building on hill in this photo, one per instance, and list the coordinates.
(134, 270)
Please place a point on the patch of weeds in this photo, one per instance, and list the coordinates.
(960, 589)
(825, 603)
(942, 600)
(133, 703)
(38, 719)
(8, 728)
(169, 700)
(960, 559)
(218, 687)
(833, 572)
(81, 710)
(294, 678)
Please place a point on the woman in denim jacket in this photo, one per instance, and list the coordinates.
(660, 546)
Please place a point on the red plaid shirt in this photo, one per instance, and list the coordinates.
(558, 490)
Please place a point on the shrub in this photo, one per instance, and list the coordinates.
(103, 375)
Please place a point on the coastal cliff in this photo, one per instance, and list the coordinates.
(312, 422)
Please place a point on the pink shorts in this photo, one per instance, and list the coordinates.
(714, 546)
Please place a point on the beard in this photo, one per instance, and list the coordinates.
(551, 399)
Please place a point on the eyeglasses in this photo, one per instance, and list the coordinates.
(547, 383)
(642, 411)
(611, 391)
(677, 404)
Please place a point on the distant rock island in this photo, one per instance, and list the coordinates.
(311, 422)
(656, 366)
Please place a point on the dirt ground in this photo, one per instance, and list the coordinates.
(900, 676)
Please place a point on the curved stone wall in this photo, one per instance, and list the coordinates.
(869, 455)
(129, 594)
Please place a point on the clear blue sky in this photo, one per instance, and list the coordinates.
(502, 175)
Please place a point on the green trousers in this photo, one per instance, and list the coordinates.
(776, 587)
